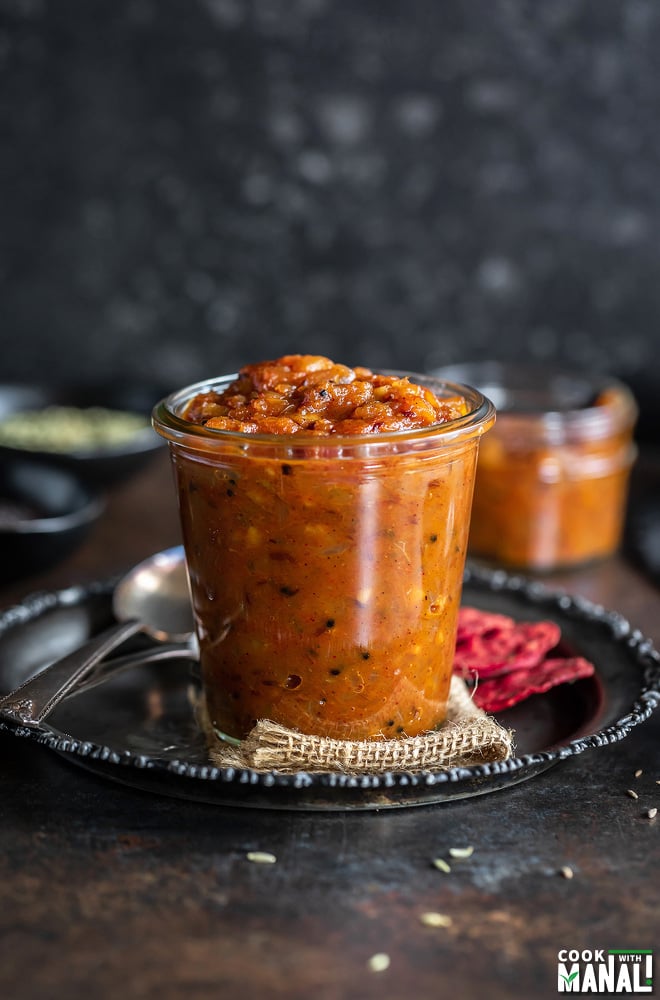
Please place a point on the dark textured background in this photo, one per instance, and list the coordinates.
(190, 184)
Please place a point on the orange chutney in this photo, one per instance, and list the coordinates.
(325, 514)
(552, 479)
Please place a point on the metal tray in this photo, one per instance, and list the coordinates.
(138, 727)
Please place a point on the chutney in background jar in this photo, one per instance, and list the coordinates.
(552, 478)
(326, 571)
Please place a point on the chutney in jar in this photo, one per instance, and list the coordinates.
(552, 478)
(325, 514)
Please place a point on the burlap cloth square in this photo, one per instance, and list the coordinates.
(468, 736)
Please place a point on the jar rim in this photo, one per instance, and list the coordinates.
(552, 397)
(167, 421)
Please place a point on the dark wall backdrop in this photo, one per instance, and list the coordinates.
(191, 184)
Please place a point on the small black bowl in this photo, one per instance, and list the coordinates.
(45, 514)
(99, 467)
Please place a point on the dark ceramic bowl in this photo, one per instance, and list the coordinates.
(98, 466)
(45, 514)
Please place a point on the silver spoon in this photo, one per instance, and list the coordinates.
(153, 598)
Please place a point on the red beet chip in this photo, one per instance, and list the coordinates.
(498, 693)
(490, 644)
(472, 620)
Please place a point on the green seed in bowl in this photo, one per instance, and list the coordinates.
(70, 429)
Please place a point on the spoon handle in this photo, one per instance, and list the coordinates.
(121, 664)
(37, 697)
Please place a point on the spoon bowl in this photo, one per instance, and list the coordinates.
(156, 594)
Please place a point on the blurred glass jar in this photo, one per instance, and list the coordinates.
(552, 476)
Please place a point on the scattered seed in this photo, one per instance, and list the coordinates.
(566, 872)
(657, 781)
(441, 865)
(461, 852)
(632, 793)
(639, 772)
(261, 857)
(652, 813)
(379, 962)
(435, 919)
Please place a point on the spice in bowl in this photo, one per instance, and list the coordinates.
(70, 429)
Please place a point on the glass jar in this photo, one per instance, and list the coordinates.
(552, 478)
(326, 573)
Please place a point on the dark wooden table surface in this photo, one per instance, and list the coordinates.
(106, 891)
